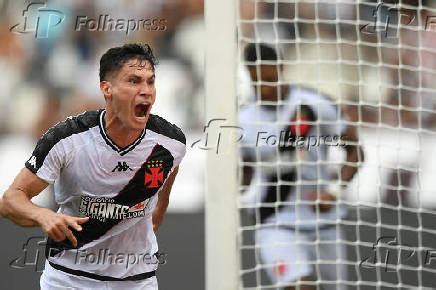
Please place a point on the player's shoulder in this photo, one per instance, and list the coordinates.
(72, 125)
(161, 126)
(310, 95)
(59, 132)
(318, 102)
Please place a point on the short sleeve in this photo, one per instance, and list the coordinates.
(333, 119)
(180, 155)
(48, 157)
(179, 139)
(328, 114)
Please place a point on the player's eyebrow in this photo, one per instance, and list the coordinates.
(133, 75)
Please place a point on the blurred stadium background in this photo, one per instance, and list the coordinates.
(45, 80)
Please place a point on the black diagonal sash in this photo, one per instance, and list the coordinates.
(142, 186)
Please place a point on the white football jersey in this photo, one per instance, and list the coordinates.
(116, 187)
(290, 166)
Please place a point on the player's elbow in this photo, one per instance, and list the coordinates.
(5, 204)
(2, 208)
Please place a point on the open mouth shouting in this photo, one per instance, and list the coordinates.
(141, 110)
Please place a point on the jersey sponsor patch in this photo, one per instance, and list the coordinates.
(103, 208)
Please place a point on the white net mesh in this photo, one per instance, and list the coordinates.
(377, 62)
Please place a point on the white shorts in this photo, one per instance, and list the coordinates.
(288, 255)
(52, 279)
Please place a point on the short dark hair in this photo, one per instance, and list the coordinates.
(113, 59)
(259, 51)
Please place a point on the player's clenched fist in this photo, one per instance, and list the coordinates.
(56, 225)
(323, 200)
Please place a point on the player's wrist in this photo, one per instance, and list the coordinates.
(336, 187)
(40, 214)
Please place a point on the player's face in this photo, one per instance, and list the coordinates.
(133, 93)
(269, 81)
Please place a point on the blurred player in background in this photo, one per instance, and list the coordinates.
(112, 170)
(287, 135)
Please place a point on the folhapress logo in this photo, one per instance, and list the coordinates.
(38, 19)
(33, 255)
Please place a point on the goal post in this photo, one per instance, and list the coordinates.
(222, 256)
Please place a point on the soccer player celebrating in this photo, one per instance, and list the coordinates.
(286, 137)
(112, 170)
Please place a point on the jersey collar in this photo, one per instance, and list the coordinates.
(108, 140)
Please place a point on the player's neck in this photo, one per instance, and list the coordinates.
(282, 95)
(118, 133)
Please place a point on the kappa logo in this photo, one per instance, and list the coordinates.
(122, 166)
(154, 174)
(32, 161)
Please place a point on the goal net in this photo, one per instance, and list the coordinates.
(375, 63)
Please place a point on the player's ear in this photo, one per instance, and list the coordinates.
(106, 89)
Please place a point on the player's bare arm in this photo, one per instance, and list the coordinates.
(164, 199)
(354, 156)
(354, 153)
(17, 206)
(16, 202)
